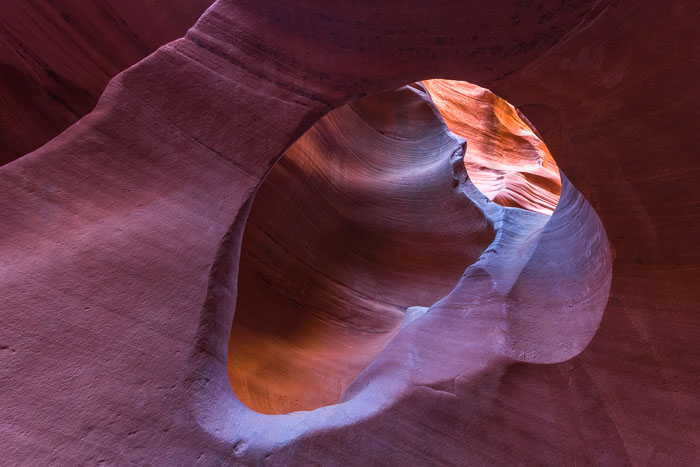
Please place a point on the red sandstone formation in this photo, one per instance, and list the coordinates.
(121, 239)
(57, 56)
(505, 159)
(357, 222)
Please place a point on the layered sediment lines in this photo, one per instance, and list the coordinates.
(359, 221)
(56, 58)
(505, 158)
(409, 217)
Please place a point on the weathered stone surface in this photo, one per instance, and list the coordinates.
(56, 58)
(115, 323)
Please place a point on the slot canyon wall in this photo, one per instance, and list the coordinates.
(506, 160)
(344, 236)
(496, 341)
(56, 58)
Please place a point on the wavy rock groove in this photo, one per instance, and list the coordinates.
(358, 222)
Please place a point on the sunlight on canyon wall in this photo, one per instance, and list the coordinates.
(505, 158)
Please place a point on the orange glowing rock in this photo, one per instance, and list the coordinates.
(505, 159)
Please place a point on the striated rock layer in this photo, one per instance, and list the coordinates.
(505, 159)
(357, 222)
(57, 56)
(121, 244)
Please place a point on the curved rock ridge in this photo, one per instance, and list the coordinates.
(358, 222)
(505, 158)
(448, 353)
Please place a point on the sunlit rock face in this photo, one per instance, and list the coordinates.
(505, 158)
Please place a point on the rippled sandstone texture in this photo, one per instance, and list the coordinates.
(357, 222)
(115, 324)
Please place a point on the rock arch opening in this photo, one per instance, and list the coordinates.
(365, 218)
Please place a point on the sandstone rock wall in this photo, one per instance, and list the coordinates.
(119, 252)
(57, 56)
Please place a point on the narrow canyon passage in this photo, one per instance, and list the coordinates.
(399, 302)
(362, 219)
